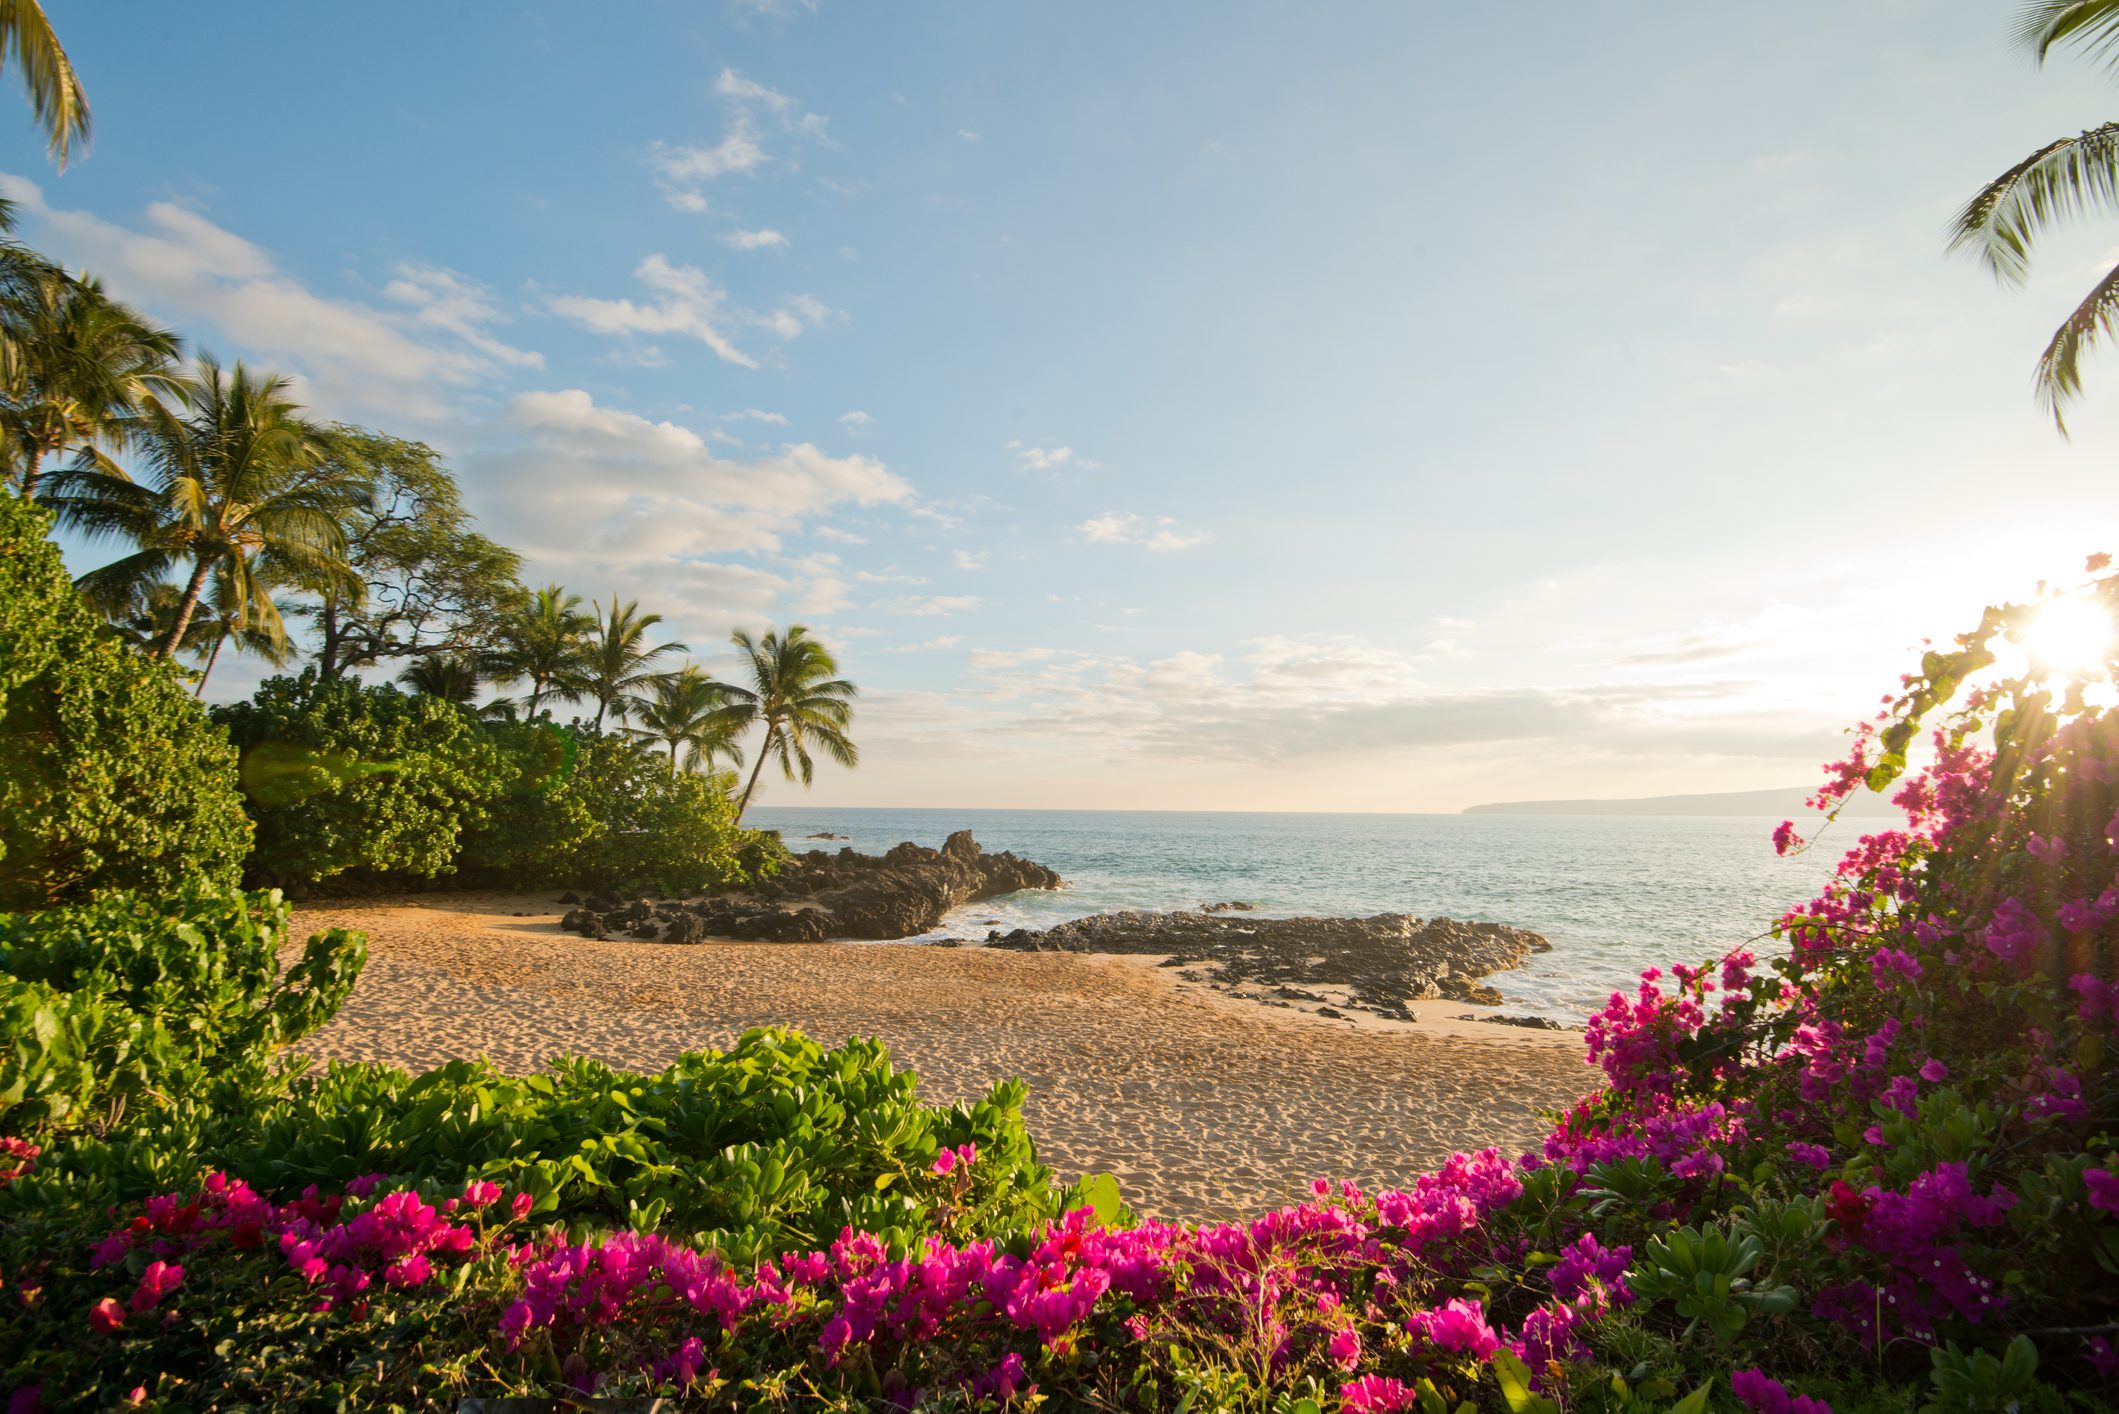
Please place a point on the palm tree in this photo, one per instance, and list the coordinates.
(453, 677)
(618, 661)
(236, 485)
(2062, 180)
(685, 709)
(80, 367)
(797, 695)
(218, 624)
(55, 94)
(545, 642)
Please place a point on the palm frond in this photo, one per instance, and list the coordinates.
(2059, 376)
(55, 94)
(2088, 25)
(2063, 179)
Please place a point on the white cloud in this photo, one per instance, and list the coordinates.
(1049, 458)
(970, 559)
(586, 484)
(842, 537)
(687, 303)
(967, 134)
(754, 240)
(446, 300)
(874, 577)
(927, 606)
(683, 170)
(1125, 528)
(777, 419)
(856, 420)
(947, 640)
(352, 359)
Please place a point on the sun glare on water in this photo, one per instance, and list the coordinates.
(2070, 636)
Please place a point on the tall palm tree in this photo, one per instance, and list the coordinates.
(55, 96)
(453, 677)
(80, 368)
(685, 709)
(545, 642)
(235, 484)
(797, 695)
(618, 661)
(2070, 178)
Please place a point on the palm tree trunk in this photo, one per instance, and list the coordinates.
(207, 671)
(33, 455)
(536, 691)
(189, 602)
(765, 749)
(601, 705)
(673, 758)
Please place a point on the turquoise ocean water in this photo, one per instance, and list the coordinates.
(1613, 893)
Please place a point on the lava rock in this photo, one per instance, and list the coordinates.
(1383, 963)
(685, 929)
(818, 896)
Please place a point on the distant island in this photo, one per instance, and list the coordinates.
(1785, 803)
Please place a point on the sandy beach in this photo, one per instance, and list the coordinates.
(1202, 1105)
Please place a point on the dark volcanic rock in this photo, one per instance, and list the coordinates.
(685, 928)
(1230, 907)
(819, 895)
(1382, 962)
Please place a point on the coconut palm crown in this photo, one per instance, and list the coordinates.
(232, 481)
(685, 710)
(797, 695)
(618, 661)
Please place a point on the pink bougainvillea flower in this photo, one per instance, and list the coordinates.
(1376, 1394)
(106, 1315)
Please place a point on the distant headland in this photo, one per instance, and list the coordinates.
(1786, 803)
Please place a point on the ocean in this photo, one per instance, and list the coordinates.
(1614, 894)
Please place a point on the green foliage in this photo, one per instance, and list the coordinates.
(344, 778)
(130, 998)
(110, 774)
(1705, 1274)
(586, 810)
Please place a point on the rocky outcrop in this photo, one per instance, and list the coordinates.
(821, 896)
(1380, 963)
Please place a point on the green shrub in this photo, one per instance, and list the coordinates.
(347, 779)
(586, 810)
(126, 998)
(110, 774)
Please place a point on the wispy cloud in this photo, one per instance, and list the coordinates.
(689, 304)
(1124, 528)
(970, 559)
(754, 240)
(685, 170)
(927, 606)
(1049, 458)
(855, 420)
(352, 358)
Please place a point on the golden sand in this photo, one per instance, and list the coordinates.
(1202, 1105)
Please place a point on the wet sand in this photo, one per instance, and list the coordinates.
(1201, 1104)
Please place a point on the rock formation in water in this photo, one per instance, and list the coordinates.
(1382, 963)
(818, 896)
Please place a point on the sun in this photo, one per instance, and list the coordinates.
(2070, 636)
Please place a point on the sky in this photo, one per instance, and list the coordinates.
(1221, 406)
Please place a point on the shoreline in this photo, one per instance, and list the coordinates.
(1202, 1104)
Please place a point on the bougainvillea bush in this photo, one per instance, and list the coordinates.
(1873, 1167)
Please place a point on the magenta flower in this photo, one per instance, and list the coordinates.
(1345, 1348)
(1376, 1394)
(106, 1315)
(1458, 1325)
(2104, 1189)
(1815, 1155)
(156, 1282)
(1762, 1394)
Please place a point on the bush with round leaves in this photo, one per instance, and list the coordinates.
(111, 776)
(356, 782)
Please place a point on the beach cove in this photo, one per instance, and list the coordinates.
(1201, 1105)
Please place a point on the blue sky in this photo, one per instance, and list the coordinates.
(1220, 406)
